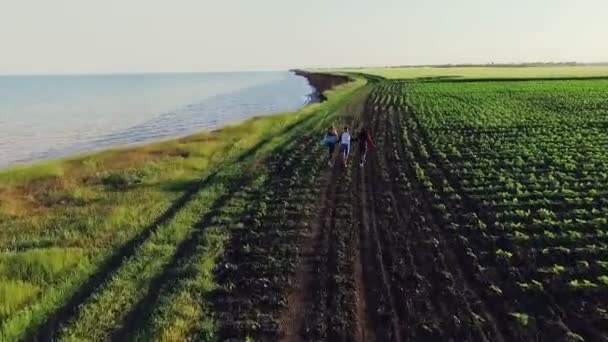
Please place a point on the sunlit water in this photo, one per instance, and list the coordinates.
(44, 117)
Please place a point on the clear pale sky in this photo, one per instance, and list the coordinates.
(101, 36)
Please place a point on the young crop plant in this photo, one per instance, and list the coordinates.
(527, 161)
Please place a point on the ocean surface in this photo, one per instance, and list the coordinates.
(43, 117)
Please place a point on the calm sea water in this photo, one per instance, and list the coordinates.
(44, 117)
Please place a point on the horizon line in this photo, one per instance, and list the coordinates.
(261, 70)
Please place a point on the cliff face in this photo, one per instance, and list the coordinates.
(321, 82)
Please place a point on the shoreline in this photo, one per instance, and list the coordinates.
(319, 82)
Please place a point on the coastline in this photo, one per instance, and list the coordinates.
(86, 149)
(320, 83)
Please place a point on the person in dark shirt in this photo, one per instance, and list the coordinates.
(365, 141)
(330, 140)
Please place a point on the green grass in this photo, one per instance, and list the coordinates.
(61, 220)
(486, 72)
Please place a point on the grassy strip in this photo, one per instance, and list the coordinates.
(102, 313)
(179, 310)
(62, 220)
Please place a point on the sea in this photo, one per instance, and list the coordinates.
(54, 116)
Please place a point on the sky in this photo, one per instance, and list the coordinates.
(116, 36)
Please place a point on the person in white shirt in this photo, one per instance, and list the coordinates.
(345, 140)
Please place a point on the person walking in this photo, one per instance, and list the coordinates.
(345, 141)
(330, 140)
(365, 141)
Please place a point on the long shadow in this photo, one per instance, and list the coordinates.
(218, 297)
(49, 330)
(235, 301)
(142, 311)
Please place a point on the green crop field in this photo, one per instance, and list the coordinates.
(480, 213)
(486, 72)
(517, 174)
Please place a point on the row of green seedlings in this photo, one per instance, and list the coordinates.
(386, 97)
(561, 253)
(545, 263)
(557, 248)
(254, 274)
(498, 281)
(552, 222)
(441, 298)
(341, 259)
(399, 224)
(414, 266)
(560, 239)
(465, 228)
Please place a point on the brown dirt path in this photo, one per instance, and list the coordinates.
(314, 300)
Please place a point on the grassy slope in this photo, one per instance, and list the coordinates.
(61, 221)
(483, 72)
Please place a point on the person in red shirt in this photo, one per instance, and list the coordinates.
(365, 141)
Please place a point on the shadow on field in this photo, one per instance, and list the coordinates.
(50, 329)
(169, 276)
(178, 186)
(233, 297)
(161, 284)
